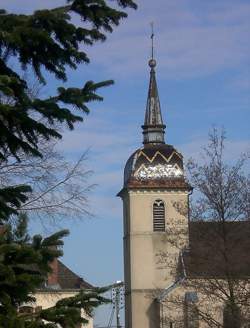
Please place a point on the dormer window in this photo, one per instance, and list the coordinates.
(158, 216)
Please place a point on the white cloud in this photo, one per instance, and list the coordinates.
(188, 43)
(193, 39)
(233, 148)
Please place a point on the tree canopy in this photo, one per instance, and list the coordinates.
(24, 267)
(47, 43)
(48, 40)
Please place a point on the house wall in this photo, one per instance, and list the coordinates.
(173, 309)
(47, 299)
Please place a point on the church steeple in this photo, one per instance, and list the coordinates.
(153, 128)
(154, 182)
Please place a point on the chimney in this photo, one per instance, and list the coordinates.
(52, 281)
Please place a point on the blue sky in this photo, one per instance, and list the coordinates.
(203, 74)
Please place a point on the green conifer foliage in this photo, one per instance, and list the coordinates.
(45, 41)
(48, 41)
(24, 266)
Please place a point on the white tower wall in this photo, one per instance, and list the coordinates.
(150, 258)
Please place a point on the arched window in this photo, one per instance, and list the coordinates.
(231, 316)
(158, 215)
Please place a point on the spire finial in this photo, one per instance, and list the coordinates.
(152, 39)
(153, 128)
(152, 61)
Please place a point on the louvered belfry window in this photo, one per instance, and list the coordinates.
(159, 215)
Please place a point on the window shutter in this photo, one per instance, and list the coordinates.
(158, 216)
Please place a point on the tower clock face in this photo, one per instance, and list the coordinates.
(158, 171)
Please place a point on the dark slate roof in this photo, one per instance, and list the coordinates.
(153, 109)
(152, 155)
(153, 128)
(218, 250)
(67, 279)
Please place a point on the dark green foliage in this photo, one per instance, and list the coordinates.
(66, 311)
(11, 198)
(24, 266)
(49, 41)
(24, 120)
(45, 41)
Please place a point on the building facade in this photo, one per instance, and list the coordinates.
(154, 185)
(61, 283)
(162, 264)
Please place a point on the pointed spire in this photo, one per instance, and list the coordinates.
(153, 128)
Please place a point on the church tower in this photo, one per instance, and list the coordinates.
(155, 212)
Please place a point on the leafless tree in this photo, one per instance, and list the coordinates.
(223, 189)
(60, 186)
(221, 205)
(217, 261)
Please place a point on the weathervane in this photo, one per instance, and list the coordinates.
(152, 39)
(152, 61)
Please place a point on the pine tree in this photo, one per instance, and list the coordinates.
(48, 41)
(24, 266)
(45, 41)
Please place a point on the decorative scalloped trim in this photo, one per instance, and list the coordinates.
(159, 153)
